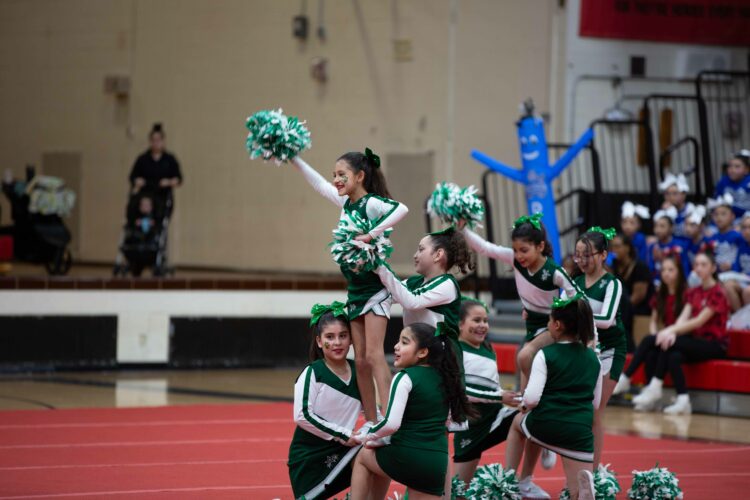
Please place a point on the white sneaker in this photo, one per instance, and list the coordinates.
(585, 485)
(681, 406)
(623, 385)
(549, 458)
(646, 405)
(530, 490)
(650, 394)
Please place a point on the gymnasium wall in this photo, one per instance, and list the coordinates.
(201, 66)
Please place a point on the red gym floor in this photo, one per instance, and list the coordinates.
(239, 451)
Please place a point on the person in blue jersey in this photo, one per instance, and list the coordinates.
(675, 189)
(726, 241)
(666, 243)
(736, 182)
(631, 222)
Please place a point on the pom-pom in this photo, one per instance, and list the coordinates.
(654, 484)
(451, 204)
(355, 255)
(564, 494)
(492, 482)
(458, 488)
(397, 496)
(606, 486)
(273, 134)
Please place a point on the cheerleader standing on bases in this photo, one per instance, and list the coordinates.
(423, 393)
(564, 389)
(603, 291)
(326, 408)
(359, 186)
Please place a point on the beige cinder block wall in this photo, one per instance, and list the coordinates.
(201, 66)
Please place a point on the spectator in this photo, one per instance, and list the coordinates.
(638, 289)
(155, 169)
(736, 182)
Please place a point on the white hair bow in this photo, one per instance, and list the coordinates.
(677, 180)
(725, 200)
(669, 212)
(630, 209)
(697, 214)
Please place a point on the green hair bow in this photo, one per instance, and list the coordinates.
(336, 308)
(443, 232)
(535, 220)
(608, 233)
(478, 301)
(374, 159)
(558, 303)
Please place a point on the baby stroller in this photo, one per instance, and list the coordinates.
(143, 243)
(37, 208)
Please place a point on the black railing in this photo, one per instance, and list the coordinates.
(693, 168)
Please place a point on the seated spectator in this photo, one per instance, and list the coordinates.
(666, 306)
(736, 283)
(698, 334)
(665, 244)
(637, 289)
(726, 241)
(675, 189)
(631, 221)
(736, 182)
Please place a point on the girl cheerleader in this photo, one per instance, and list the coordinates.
(426, 390)
(484, 392)
(326, 408)
(564, 389)
(359, 186)
(604, 291)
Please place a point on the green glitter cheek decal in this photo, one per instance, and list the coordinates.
(326, 345)
(344, 179)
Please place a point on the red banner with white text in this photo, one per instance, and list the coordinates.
(712, 22)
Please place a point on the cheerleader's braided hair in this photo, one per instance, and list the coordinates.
(457, 253)
(441, 356)
(369, 163)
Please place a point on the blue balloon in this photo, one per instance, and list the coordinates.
(536, 172)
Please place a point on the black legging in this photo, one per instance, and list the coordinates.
(686, 349)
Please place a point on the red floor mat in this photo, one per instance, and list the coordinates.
(239, 451)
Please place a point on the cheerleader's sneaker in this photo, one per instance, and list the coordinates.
(681, 406)
(549, 458)
(623, 385)
(585, 485)
(530, 490)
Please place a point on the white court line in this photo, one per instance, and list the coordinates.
(146, 492)
(686, 452)
(681, 476)
(144, 464)
(149, 423)
(144, 443)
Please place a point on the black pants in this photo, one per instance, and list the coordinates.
(647, 351)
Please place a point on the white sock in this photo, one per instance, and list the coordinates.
(656, 383)
(682, 398)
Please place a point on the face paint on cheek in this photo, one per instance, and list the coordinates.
(326, 345)
(344, 179)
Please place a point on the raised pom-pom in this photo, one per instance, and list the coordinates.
(492, 482)
(654, 484)
(458, 488)
(451, 203)
(606, 485)
(358, 256)
(564, 494)
(271, 134)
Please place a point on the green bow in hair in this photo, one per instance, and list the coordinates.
(318, 310)
(375, 159)
(558, 303)
(443, 232)
(608, 233)
(478, 301)
(535, 220)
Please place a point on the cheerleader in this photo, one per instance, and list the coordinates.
(603, 291)
(326, 407)
(564, 390)
(491, 427)
(427, 389)
(359, 186)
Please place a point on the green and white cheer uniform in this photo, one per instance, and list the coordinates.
(604, 297)
(365, 292)
(565, 387)
(326, 409)
(417, 413)
(484, 392)
(535, 290)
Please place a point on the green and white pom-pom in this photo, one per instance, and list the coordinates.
(606, 485)
(564, 494)
(359, 256)
(458, 488)
(492, 482)
(451, 203)
(396, 495)
(273, 134)
(654, 484)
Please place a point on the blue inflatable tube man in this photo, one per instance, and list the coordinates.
(536, 172)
